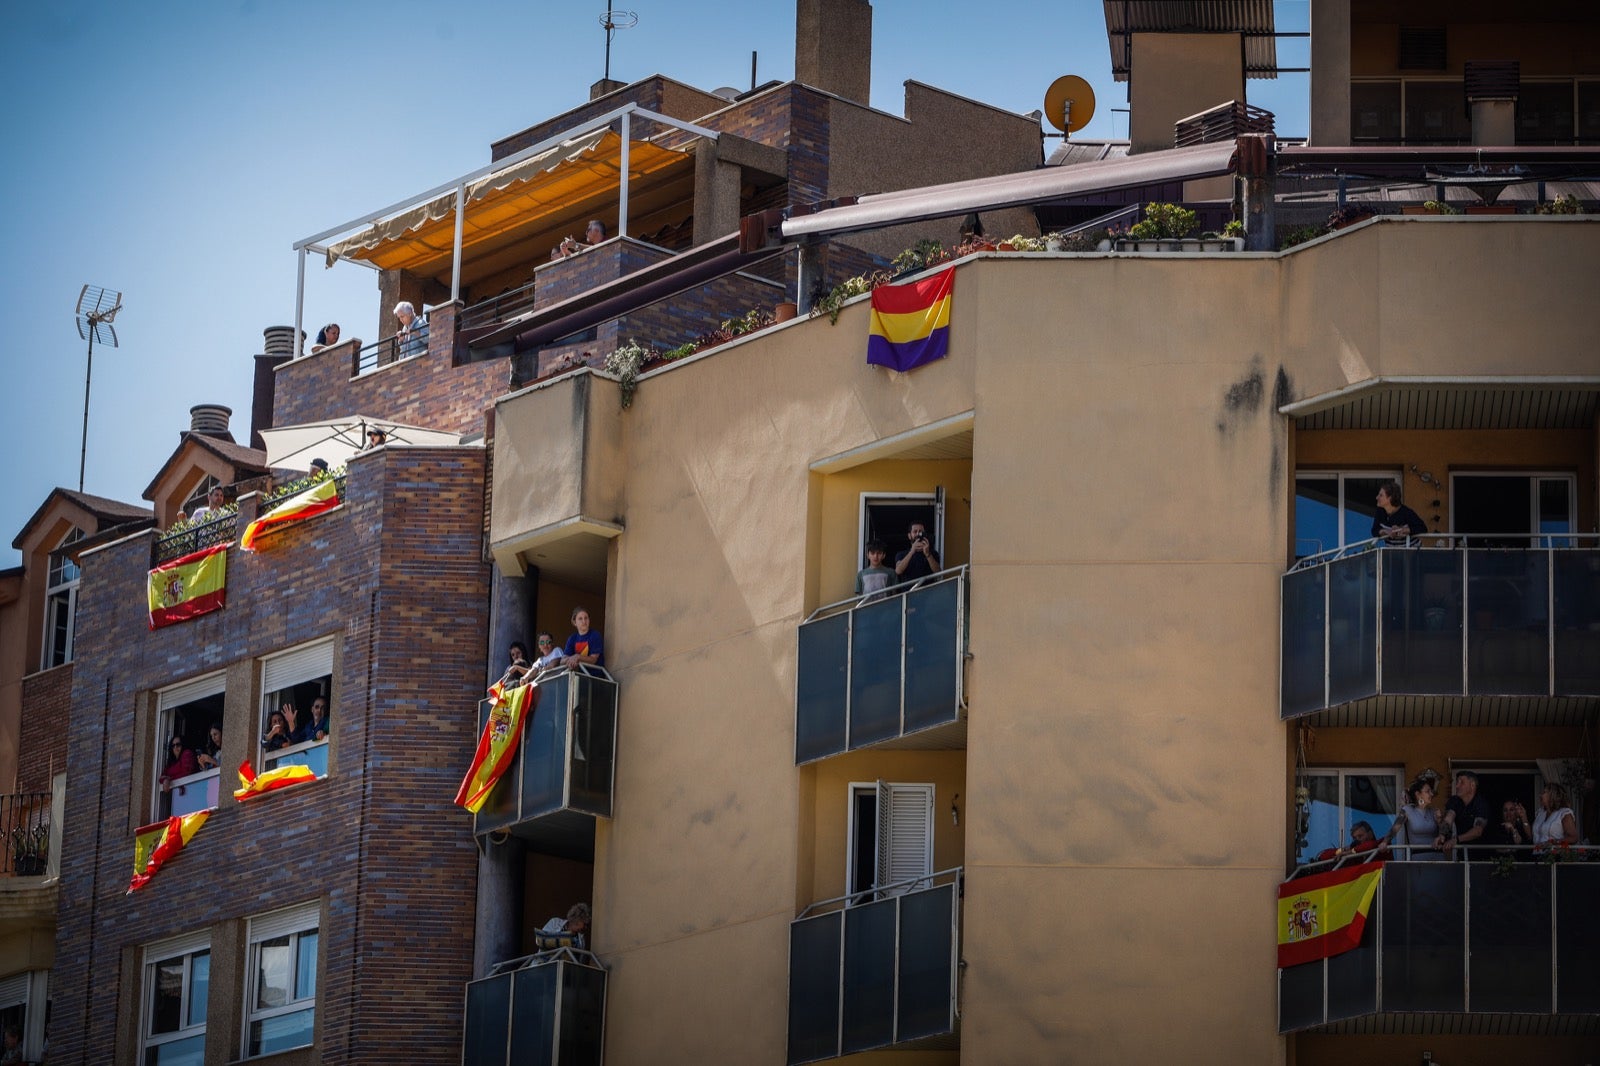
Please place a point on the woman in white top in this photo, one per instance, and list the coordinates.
(1555, 823)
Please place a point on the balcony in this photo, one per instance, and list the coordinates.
(1463, 947)
(547, 1009)
(25, 824)
(878, 974)
(886, 670)
(561, 780)
(196, 792)
(1380, 634)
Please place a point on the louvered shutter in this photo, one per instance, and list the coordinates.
(306, 663)
(905, 834)
(195, 689)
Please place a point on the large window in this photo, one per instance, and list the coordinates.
(61, 604)
(1335, 508)
(1512, 504)
(281, 1000)
(296, 685)
(891, 837)
(189, 741)
(177, 978)
(1338, 799)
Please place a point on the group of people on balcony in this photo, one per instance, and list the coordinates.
(289, 725)
(917, 561)
(584, 647)
(184, 761)
(593, 234)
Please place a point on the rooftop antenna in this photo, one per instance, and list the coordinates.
(1068, 105)
(614, 21)
(96, 308)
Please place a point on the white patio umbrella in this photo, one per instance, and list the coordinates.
(337, 439)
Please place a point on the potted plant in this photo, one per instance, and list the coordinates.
(30, 850)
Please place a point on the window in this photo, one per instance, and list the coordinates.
(188, 719)
(1337, 800)
(1514, 503)
(19, 993)
(1545, 112)
(887, 516)
(1436, 112)
(891, 837)
(281, 1000)
(300, 680)
(61, 604)
(1335, 508)
(177, 978)
(1375, 112)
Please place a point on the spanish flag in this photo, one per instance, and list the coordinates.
(911, 323)
(1324, 914)
(498, 745)
(189, 587)
(323, 496)
(278, 777)
(154, 845)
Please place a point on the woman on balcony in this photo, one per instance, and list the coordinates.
(180, 763)
(1418, 825)
(1555, 824)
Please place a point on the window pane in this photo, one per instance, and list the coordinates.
(281, 1033)
(1544, 113)
(1322, 826)
(1436, 113)
(1375, 112)
(1371, 798)
(166, 996)
(273, 972)
(1555, 510)
(199, 987)
(1316, 515)
(1360, 507)
(188, 1052)
(1589, 112)
(305, 981)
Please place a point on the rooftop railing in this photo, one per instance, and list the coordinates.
(499, 308)
(879, 667)
(1447, 615)
(380, 354)
(195, 536)
(876, 974)
(25, 823)
(546, 1009)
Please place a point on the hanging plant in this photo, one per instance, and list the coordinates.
(625, 363)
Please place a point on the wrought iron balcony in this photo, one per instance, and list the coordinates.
(1480, 940)
(876, 971)
(547, 1009)
(878, 668)
(1458, 616)
(561, 779)
(25, 823)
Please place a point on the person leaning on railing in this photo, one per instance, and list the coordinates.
(1417, 828)
(412, 333)
(1555, 824)
(1394, 520)
(180, 763)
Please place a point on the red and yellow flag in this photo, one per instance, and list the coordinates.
(498, 745)
(910, 323)
(154, 845)
(323, 496)
(189, 587)
(1323, 915)
(278, 777)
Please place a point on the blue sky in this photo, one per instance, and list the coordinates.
(177, 150)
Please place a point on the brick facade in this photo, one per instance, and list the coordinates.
(42, 747)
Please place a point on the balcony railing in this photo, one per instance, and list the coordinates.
(875, 668)
(25, 821)
(380, 354)
(547, 1009)
(561, 780)
(197, 792)
(1459, 616)
(876, 975)
(192, 537)
(295, 487)
(1463, 938)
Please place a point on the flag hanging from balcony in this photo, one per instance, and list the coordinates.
(155, 845)
(911, 322)
(323, 496)
(254, 784)
(189, 587)
(498, 744)
(1323, 915)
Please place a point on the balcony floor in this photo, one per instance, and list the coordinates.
(1382, 712)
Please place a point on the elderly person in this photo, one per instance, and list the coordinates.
(1555, 823)
(411, 330)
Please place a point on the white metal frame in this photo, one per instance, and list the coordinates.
(291, 922)
(936, 498)
(185, 947)
(168, 700)
(269, 702)
(67, 590)
(1339, 476)
(1339, 773)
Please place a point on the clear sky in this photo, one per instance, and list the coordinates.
(177, 150)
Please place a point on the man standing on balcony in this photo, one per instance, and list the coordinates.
(1466, 815)
(920, 559)
(1395, 521)
(213, 505)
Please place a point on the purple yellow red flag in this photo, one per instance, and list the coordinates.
(154, 845)
(323, 496)
(1323, 915)
(189, 587)
(911, 322)
(254, 784)
(497, 746)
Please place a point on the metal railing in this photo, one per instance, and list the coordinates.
(25, 822)
(195, 536)
(545, 1009)
(877, 667)
(875, 974)
(498, 308)
(389, 350)
(1445, 614)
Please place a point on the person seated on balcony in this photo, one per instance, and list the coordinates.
(209, 757)
(1363, 841)
(570, 932)
(874, 577)
(278, 732)
(1417, 828)
(412, 331)
(180, 763)
(327, 337)
(550, 653)
(1466, 814)
(1555, 824)
(586, 645)
(919, 560)
(213, 505)
(317, 727)
(1395, 522)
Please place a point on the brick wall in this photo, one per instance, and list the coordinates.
(42, 747)
(397, 576)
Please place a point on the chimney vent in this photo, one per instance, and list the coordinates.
(280, 340)
(210, 419)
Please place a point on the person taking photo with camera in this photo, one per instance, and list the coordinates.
(920, 559)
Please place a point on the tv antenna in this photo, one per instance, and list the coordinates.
(614, 21)
(96, 309)
(1068, 105)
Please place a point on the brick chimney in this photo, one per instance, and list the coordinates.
(280, 349)
(833, 47)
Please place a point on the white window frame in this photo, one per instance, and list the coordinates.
(1538, 539)
(934, 498)
(1340, 476)
(168, 700)
(294, 666)
(899, 806)
(185, 947)
(293, 922)
(26, 990)
(61, 594)
(1339, 773)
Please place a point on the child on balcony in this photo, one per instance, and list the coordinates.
(875, 577)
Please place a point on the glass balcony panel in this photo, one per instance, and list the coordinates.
(314, 756)
(927, 931)
(1508, 652)
(583, 1001)
(1353, 628)
(823, 687)
(1577, 628)
(933, 655)
(1353, 976)
(544, 749)
(1422, 621)
(488, 1027)
(1578, 939)
(197, 792)
(814, 987)
(1424, 926)
(533, 1013)
(1304, 597)
(1300, 996)
(1510, 934)
(869, 965)
(594, 722)
(875, 662)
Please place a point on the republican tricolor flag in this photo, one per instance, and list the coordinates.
(323, 496)
(155, 844)
(498, 744)
(189, 587)
(1323, 915)
(911, 322)
(254, 784)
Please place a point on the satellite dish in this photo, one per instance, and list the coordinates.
(1069, 103)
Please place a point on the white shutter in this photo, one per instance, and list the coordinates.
(178, 945)
(14, 990)
(905, 833)
(305, 663)
(293, 920)
(195, 689)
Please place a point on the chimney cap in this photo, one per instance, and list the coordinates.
(211, 420)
